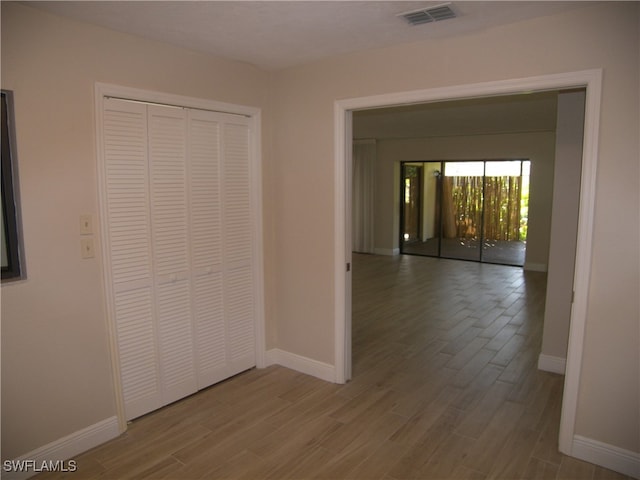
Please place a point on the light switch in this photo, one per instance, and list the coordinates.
(86, 244)
(86, 224)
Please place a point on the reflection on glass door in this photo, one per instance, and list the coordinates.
(471, 210)
(462, 210)
(506, 212)
(420, 208)
(412, 204)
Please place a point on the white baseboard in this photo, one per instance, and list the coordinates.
(549, 363)
(386, 251)
(605, 455)
(63, 449)
(301, 364)
(535, 267)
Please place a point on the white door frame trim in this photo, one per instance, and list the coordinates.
(592, 80)
(104, 90)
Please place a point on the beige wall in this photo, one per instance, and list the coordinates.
(55, 367)
(537, 147)
(56, 374)
(598, 36)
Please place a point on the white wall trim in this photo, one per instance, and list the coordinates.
(143, 95)
(584, 246)
(342, 170)
(386, 251)
(535, 267)
(608, 456)
(549, 363)
(255, 145)
(65, 448)
(301, 364)
(592, 80)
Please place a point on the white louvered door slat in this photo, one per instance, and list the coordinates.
(237, 194)
(206, 246)
(129, 250)
(210, 330)
(170, 220)
(138, 359)
(238, 245)
(206, 222)
(240, 314)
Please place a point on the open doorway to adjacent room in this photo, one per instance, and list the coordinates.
(404, 145)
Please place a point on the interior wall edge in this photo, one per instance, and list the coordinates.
(608, 456)
(535, 267)
(299, 363)
(549, 363)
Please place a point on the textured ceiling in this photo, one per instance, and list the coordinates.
(278, 34)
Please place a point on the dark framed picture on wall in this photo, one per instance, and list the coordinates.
(12, 252)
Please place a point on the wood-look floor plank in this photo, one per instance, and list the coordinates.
(465, 473)
(465, 354)
(279, 441)
(448, 457)
(513, 458)
(501, 337)
(574, 469)
(377, 465)
(498, 324)
(601, 473)
(416, 400)
(416, 456)
(475, 390)
(142, 455)
(361, 447)
(167, 467)
(307, 466)
(509, 350)
(419, 423)
(473, 368)
(488, 318)
(489, 445)
(540, 470)
(476, 420)
(546, 448)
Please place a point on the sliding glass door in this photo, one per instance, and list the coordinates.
(468, 210)
(420, 208)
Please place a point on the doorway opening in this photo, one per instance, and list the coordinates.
(591, 80)
(465, 210)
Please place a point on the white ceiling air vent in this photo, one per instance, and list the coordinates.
(429, 14)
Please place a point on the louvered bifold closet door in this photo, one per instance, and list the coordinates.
(238, 219)
(171, 257)
(206, 246)
(222, 245)
(179, 228)
(128, 234)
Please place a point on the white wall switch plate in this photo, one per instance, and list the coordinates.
(86, 245)
(86, 224)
